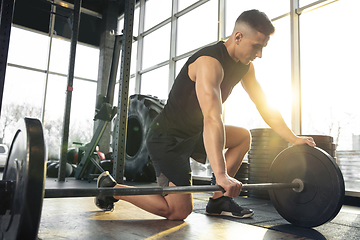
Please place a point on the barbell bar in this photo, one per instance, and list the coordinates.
(125, 191)
(305, 185)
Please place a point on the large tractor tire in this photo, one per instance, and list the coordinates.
(142, 111)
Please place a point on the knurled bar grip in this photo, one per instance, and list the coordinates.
(125, 191)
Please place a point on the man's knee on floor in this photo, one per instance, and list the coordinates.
(180, 214)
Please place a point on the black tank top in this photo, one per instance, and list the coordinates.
(182, 116)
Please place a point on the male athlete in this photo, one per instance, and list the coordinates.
(191, 125)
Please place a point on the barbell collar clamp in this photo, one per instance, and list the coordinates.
(301, 185)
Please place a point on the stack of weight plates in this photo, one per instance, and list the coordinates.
(265, 146)
(243, 176)
(325, 143)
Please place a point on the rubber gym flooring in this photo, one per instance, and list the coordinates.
(79, 218)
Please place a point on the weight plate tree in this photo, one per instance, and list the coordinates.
(21, 210)
(324, 190)
(265, 146)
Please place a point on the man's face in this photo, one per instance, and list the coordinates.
(250, 46)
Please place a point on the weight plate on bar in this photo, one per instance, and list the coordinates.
(26, 166)
(324, 189)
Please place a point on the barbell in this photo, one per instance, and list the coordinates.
(305, 185)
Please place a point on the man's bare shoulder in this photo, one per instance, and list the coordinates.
(205, 66)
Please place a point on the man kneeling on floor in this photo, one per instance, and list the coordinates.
(191, 125)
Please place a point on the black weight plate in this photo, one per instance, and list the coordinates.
(260, 164)
(270, 149)
(266, 135)
(26, 166)
(320, 138)
(242, 173)
(267, 148)
(324, 189)
(262, 156)
(259, 170)
(243, 166)
(267, 153)
(259, 175)
(269, 145)
(258, 179)
(324, 146)
(261, 161)
(260, 131)
(274, 138)
(255, 130)
(242, 179)
(269, 140)
(330, 152)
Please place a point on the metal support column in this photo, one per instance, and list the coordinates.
(295, 68)
(69, 89)
(6, 16)
(140, 45)
(221, 20)
(173, 41)
(51, 34)
(119, 144)
(109, 27)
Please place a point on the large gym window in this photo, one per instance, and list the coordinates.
(156, 11)
(155, 82)
(329, 80)
(28, 48)
(197, 28)
(156, 47)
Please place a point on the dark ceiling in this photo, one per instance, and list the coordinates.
(98, 5)
(35, 15)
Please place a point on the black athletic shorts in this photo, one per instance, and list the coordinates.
(170, 156)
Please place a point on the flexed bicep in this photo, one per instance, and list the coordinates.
(208, 76)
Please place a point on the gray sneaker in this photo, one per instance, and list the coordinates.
(226, 206)
(105, 203)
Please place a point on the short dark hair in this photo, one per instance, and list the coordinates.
(257, 20)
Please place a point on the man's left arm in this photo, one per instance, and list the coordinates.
(270, 115)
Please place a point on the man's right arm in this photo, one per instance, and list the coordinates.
(208, 74)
